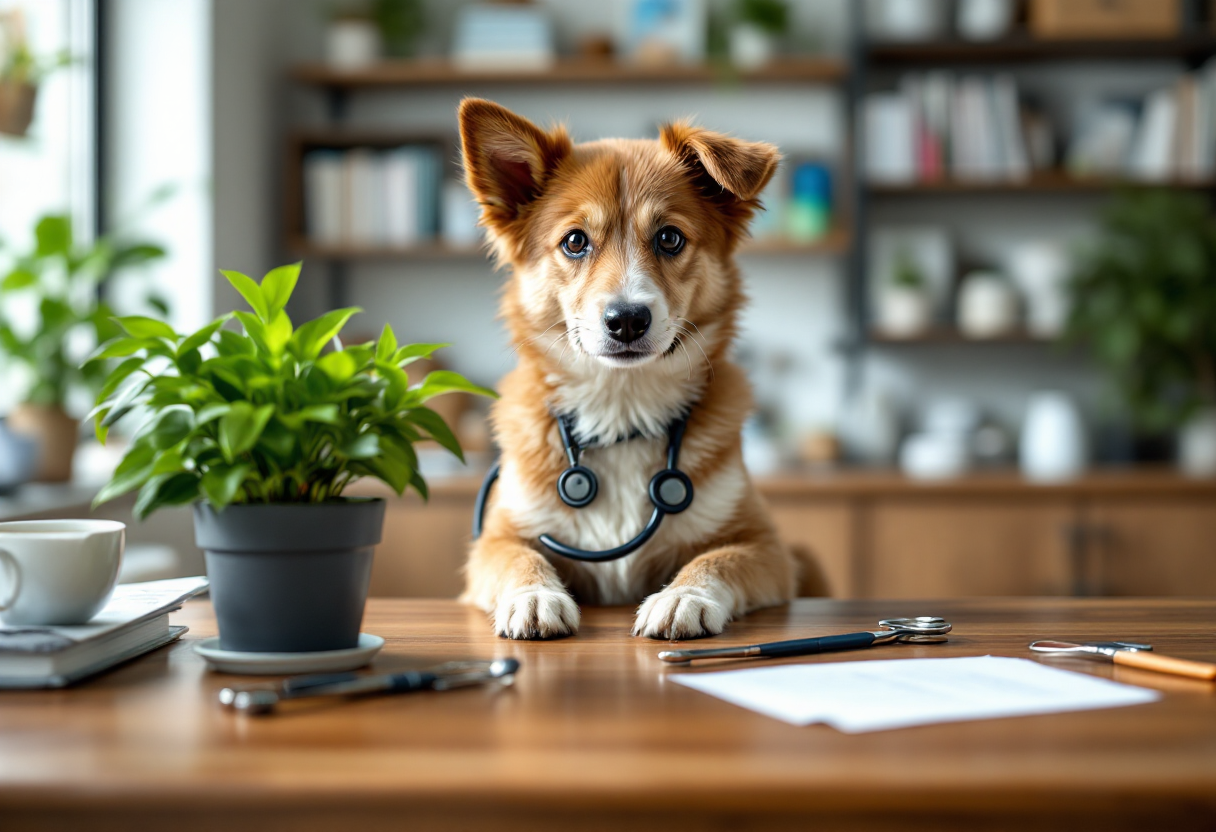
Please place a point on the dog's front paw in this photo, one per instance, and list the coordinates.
(680, 612)
(536, 612)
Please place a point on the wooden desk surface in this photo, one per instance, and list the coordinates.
(593, 736)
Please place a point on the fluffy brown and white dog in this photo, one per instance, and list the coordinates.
(622, 303)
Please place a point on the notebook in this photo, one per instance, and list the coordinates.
(133, 622)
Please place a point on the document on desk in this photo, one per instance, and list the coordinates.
(859, 696)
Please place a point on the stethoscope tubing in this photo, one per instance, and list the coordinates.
(675, 437)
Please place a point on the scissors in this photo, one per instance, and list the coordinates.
(921, 630)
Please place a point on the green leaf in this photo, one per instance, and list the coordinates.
(241, 427)
(166, 490)
(53, 235)
(433, 424)
(277, 286)
(413, 352)
(233, 343)
(132, 472)
(363, 446)
(201, 336)
(419, 484)
(117, 376)
(250, 291)
(339, 366)
(168, 427)
(18, 279)
(211, 412)
(221, 483)
(445, 381)
(278, 333)
(386, 347)
(398, 383)
(138, 326)
(311, 338)
(135, 254)
(121, 347)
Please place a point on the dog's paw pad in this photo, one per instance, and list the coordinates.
(536, 612)
(681, 612)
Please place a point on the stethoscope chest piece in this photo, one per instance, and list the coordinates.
(577, 486)
(671, 491)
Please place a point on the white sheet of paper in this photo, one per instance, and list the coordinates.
(859, 696)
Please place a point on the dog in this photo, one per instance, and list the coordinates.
(622, 303)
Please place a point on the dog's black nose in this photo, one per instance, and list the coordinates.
(626, 321)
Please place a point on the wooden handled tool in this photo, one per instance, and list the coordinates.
(1131, 655)
(1165, 664)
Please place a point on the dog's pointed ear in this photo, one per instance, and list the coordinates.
(741, 168)
(507, 159)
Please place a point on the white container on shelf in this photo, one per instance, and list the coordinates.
(984, 19)
(908, 20)
(987, 306)
(903, 311)
(1197, 444)
(1053, 445)
(750, 46)
(352, 44)
(935, 455)
(1040, 269)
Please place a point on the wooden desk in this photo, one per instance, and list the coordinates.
(593, 737)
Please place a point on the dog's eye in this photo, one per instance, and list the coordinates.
(575, 244)
(669, 240)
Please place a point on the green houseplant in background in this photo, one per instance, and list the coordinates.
(21, 73)
(1143, 300)
(50, 298)
(758, 27)
(263, 430)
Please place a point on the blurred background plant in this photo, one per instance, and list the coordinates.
(21, 71)
(1144, 303)
(53, 313)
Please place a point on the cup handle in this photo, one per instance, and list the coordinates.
(11, 566)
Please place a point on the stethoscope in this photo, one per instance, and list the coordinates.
(670, 491)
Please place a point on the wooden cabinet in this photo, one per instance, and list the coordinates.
(931, 548)
(881, 536)
(824, 529)
(424, 546)
(1152, 546)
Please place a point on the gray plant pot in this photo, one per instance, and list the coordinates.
(289, 577)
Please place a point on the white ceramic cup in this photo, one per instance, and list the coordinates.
(58, 571)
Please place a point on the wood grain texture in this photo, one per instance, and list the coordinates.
(594, 736)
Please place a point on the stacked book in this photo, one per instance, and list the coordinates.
(133, 622)
(1169, 135)
(938, 126)
(373, 198)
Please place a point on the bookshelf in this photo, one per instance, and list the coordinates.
(853, 75)
(431, 73)
(876, 64)
(408, 76)
(1026, 49)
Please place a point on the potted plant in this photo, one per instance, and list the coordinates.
(20, 74)
(1143, 299)
(263, 430)
(51, 300)
(759, 25)
(904, 308)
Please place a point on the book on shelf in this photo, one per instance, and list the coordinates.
(366, 197)
(134, 621)
(937, 125)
